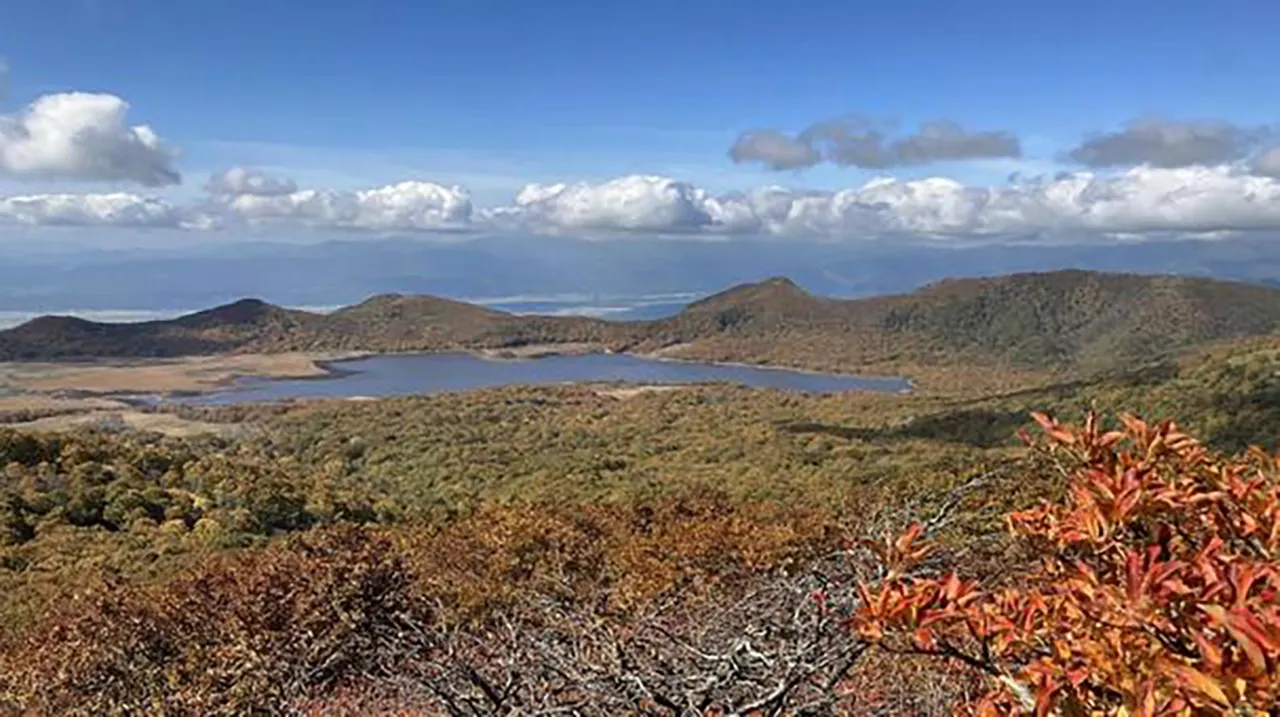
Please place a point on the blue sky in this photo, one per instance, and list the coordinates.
(492, 95)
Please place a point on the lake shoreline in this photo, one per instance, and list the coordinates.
(431, 373)
(150, 382)
(541, 351)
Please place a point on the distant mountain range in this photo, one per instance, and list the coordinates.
(185, 276)
(1046, 320)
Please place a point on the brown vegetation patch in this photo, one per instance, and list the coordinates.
(129, 420)
(633, 391)
(173, 375)
(533, 351)
(29, 407)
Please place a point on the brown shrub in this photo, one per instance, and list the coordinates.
(244, 633)
(508, 592)
(619, 558)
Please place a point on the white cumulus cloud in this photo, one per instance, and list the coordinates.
(633, 203)
(112, 210)
(83, 136)
(407, 206)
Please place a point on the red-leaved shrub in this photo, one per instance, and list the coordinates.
(1157, 593)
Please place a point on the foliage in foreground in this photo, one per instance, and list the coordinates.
(244, 634)
(665, 602)
(142, 508)
(1157, 593)
(512, 609)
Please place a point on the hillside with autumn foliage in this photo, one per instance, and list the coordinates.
(1062, 321)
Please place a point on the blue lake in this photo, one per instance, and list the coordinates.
(410, 374)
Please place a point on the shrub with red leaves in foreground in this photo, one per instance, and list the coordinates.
(1158, 592)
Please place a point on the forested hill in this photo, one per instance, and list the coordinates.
(1058, 319)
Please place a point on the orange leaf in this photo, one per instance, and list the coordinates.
(1133, 576)
(1246, 623)
(1211, 654)
(1202, 684)
(904, 541)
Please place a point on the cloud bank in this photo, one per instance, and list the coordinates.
(1143, 200)
(858, 142)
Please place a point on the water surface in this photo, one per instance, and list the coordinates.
(409, 374)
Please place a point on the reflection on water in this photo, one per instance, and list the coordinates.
(401, 375)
